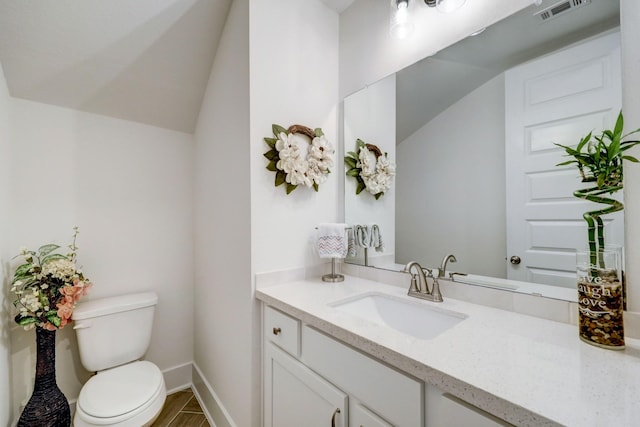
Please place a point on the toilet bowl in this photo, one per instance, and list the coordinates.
(129, 396)
(113, 334)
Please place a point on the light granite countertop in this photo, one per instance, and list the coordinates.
(525, 370)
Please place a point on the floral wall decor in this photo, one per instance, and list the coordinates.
(295, 165)
(371, 168)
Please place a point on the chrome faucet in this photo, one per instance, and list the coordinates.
(419, 287)
(442, 270)
(419, 284)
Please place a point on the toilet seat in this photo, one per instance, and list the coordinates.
(124, 395)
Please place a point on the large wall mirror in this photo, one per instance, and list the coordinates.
(472, 132)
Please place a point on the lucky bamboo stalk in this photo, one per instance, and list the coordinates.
(595, 225)
(599, 159)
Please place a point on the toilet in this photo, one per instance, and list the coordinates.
(113, 335)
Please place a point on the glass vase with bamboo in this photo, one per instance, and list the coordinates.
(599, 159)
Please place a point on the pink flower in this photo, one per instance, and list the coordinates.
(65, 311)
(49, 326)
(68, 291)
(84, 288)
(75, 292)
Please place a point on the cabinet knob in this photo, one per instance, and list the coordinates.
(333, 417)
(515, 260)
(276, 331)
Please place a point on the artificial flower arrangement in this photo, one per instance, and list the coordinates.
(48, 286)
(371, 168)
(290, 163)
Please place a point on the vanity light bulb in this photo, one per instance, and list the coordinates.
(401, 19)
(448, 6)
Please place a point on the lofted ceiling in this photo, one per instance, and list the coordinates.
(338, 5)
(141, 60)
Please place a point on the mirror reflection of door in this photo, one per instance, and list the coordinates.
(558, 98)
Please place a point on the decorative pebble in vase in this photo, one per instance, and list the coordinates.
(600, 299)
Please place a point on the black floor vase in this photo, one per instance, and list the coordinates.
(48, 406)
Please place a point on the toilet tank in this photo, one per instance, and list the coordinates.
(114, 331)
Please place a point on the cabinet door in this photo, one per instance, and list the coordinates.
(445, 410)
(393, 396)
(295, 396)
(362, 417)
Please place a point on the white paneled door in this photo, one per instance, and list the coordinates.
(558, 98)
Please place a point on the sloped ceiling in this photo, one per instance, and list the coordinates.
(338, 5)
(141, 60)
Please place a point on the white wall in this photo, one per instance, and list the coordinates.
(439, 166)
(244, 224)
(5, 255)
(226, 328)
(630, 30)
(370, 115)
(129, 188)
(294, 80)
(368, 53)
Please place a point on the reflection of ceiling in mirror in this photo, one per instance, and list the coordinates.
(475, 60)
(338, 5)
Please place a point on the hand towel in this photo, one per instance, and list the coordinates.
(332, 240)
(376, 238)
(351, 242)
(363, 238)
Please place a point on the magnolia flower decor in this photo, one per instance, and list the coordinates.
(371, 168)
(47, 286)
(294, 165)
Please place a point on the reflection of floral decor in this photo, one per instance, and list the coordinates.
(287, 159)
(371, 168)
(48, 286)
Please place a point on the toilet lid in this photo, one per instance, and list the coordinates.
(120, 390)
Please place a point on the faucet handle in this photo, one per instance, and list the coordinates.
(436, 295)
(414, 282)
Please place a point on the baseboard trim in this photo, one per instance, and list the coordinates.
(209, 401)
(178, 378)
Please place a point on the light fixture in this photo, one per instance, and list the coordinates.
(401, 18)
(446, 6)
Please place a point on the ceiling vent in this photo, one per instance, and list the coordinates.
(561, 8)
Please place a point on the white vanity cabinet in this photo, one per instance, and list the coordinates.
(360, 416)
(294, 395)
(312, 379)
(385, 396)
(445, 410)
(299, 397)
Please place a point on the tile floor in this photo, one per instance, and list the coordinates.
(181, 409)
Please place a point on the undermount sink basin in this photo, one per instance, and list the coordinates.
(414, 318)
